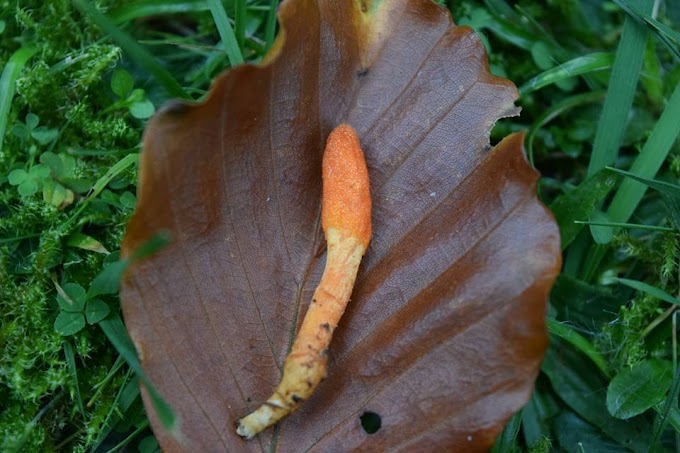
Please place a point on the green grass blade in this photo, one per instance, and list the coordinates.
(147, 8)
(507, 441)
(633, 226)
(669, 37)
(648, 162)
(19, 445)
(508, 31)
(127, 393)
(579, 342)
(270, 31)
(648, 289)
(101, 183)
(503, 9)
(585, 64)
(137, 53)
(664, 413)
(620, 92)
(226, 32)
(124, 443)
(100, 386)
(240, 22)
(8, 80)
(71, 363)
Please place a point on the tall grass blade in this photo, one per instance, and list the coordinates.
(662, 417)
(669, 37)
(240, 22)
(648, 162)
(71, 364)
(622, 84)
(579, 342)
(226, 32)
(8, 80)
(648, 289)
(270, 31)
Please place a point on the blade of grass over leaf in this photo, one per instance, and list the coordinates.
(223, 25)
(115, 331)
(620, 92)
(579, 342)
(137, 53)
(585, 64)
(10, 73)
(108, 280)
(648, 289)
(648, 162)
(146, 8)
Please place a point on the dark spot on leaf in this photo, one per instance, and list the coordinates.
(297, 399)
(371, 422)
(325, 326)
(364, 8)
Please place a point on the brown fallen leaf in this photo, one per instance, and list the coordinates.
(445, 331)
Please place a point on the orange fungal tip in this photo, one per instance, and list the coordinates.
(346, 202)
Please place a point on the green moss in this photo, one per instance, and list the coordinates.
(65, 85)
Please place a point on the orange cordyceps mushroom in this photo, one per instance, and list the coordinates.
(346, 221)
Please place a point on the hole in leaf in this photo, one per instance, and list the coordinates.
(371, 422)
